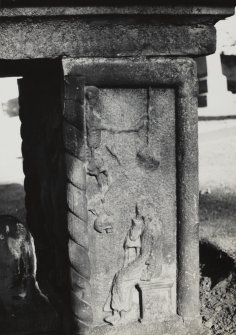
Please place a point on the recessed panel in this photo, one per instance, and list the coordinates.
(131, 192)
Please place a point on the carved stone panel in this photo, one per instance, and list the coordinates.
(130, 178)
(138, 138)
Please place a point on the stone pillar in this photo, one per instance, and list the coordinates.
(187, 200)
(157, 158)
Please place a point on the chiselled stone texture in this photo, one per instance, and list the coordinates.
(110, 29)
(23, 307)
(75, 37)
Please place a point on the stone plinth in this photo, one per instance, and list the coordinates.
(118, 195)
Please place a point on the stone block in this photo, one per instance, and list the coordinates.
(135, 159)
(130, 148)
(156, 301)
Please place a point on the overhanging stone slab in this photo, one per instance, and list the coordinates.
(85, 37)
(28, 33)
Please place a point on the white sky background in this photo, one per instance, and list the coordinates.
(10, 139)
(8, 89)
(226, 35)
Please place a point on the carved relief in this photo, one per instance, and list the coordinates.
(141, 263)
(146, 156)
(103, 222)
(95, 164)
(142, 246)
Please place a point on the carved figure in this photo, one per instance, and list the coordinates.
(103, 222)
(139, 264)
(96, 168)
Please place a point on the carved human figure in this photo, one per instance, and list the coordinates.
(139, 264)
(132, 244)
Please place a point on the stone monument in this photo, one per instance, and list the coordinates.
(116, 92)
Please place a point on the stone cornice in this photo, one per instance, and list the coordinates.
(110, 31)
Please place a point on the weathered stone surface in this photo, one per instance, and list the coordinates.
(134, 72)
(23, 307)
(124, 132)
(157, 298)
(83, 37)
(137, 135)
(131, 216)
(108, 30)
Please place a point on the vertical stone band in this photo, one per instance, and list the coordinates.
(77, 217)
(187, 195)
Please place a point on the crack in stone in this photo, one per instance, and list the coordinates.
(141, 123)
(113, 154)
